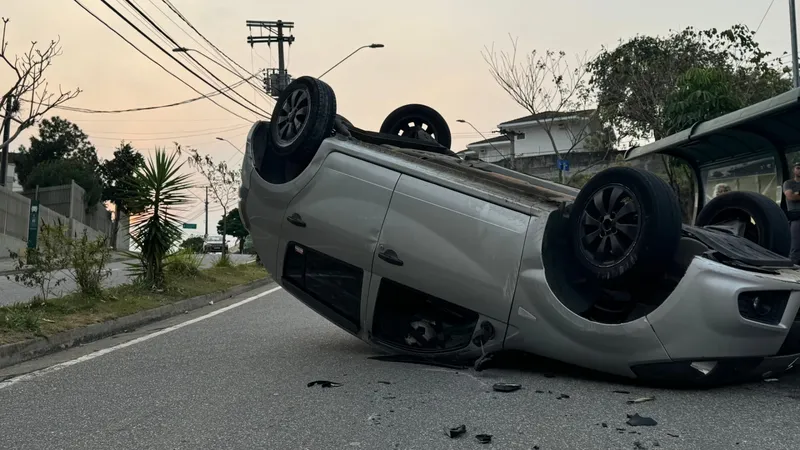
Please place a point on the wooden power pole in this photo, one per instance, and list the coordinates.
(276, 80)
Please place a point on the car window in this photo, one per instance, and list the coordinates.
(758, 174)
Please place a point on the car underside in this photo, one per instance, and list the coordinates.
(399, 241)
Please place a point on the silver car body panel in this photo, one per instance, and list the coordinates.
(706, 302)
(542, 325)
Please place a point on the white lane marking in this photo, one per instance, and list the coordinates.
(47, 370)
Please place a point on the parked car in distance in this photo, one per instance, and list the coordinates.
(213, 244)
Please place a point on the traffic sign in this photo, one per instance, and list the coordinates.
(190, 226)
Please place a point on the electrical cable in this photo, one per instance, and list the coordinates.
(186, 21)
(152, 2)
(148, 19)
(764, 17)
(143, 108)
(169, 137)
(156, 62)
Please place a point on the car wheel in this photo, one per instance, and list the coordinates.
(750, 215)
(303, 117)
(625, 221)
(410, 120)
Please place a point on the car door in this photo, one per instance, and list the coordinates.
(444, 250)
(329, 236)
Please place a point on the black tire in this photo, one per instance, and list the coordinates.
(424, 118)
(303, 117)
(771, 228)
(645, 234)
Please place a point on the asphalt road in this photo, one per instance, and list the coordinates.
(12, 292)
(238, 380)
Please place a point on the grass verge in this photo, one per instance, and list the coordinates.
(25, 321)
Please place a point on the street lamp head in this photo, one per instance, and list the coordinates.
(376, 46)
(180, 50)
(461, 121)
(220, 139)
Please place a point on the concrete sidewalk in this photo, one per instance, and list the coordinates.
(8, 266)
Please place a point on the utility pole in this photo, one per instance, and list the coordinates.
(793, 31)
(206, 235)
(6, 137)
(511, 135)
(276, 80)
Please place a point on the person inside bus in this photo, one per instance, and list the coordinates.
(791, 189)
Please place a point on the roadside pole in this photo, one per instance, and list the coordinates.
(793, 28)
(6, 137)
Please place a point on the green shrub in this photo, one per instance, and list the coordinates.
(183, 263)
(224, 260)
(22, 317)
(88, 258)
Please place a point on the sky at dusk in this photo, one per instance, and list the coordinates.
(432, 55)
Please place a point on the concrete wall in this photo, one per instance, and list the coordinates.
(64, 203)
(15, 213)
(584, 162)
(14, 210)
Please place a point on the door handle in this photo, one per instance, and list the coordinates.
(390, 257)
(296, 220)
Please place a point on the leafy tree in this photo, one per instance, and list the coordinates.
(223, 183)
(118, 174)
(61, 171)
(62, 152)
(159, 191)
(58, 139)
(700, 94)
(633, 81)
(232, 224)
(194, 244)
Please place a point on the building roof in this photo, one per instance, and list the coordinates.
(547, 115)
(495, 140)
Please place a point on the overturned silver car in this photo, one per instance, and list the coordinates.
(397, 240)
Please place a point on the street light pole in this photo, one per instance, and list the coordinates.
(351, 54)
(231, 143)
(502, 156)
(793, 31)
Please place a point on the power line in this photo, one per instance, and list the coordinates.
(186, 32)
(167, 137)
(765, 16)
(175, 43)
(227, 64)
(153, 60)
(143, 108)
(153, 133)
(186, 21)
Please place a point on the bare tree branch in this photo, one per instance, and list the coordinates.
(546, 83)
(30, 87)
(223, 183)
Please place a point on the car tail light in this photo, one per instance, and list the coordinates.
(763, 306)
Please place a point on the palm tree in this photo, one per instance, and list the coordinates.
(159, 191)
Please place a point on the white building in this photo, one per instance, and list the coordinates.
(568, 130)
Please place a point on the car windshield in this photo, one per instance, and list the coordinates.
(754, 174)
(214, 239)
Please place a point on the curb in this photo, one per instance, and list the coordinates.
(18, 352)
